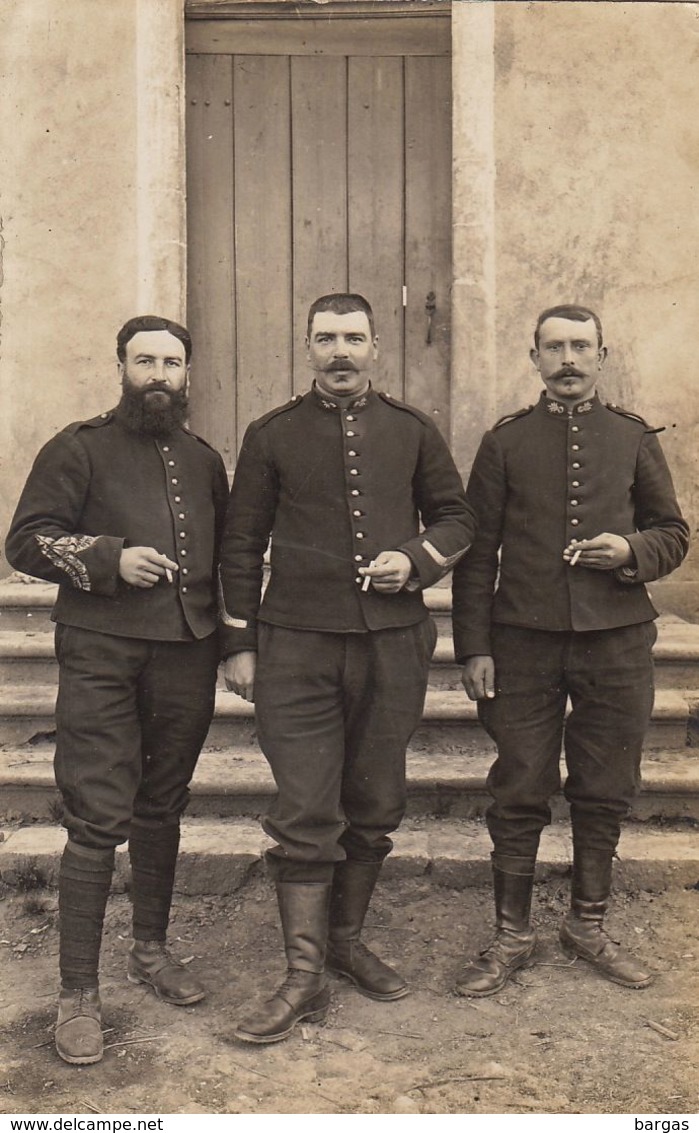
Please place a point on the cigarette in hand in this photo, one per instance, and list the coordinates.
(367, 578)
(168, 574)
(575, 558)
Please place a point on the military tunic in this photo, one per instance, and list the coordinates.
(97, 487)
(334, 487)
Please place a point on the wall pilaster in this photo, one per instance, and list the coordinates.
(473, 375)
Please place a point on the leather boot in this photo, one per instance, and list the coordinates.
(304, 995)
(353, 885)
(151, 963)
(582, 934)
(515, 939)
(78, 1033)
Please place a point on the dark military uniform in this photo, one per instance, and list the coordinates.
(342, 669)
(137, 666)
(541, 478)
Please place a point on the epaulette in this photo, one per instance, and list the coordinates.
(196, 437)
(389, 399)
(633, 417)
(513, 416)
(292, 403)
(91, 423)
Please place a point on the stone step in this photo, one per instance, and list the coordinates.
(675, 656)
(27, 657)
(449, 720)
(237, 782)
(217, 857)
(26, 604)
(23, 598)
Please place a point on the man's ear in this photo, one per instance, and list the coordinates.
(601, 357)
(307, 341)
(534, 355)
(375, 344)
(120, 369)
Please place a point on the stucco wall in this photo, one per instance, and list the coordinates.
(67, 213)
(597, 201)
(90, 131)
(582, 143)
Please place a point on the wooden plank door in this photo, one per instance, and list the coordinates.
(319, 160)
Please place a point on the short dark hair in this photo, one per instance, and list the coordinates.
(341, 303)
(568, 311)
(152, 322)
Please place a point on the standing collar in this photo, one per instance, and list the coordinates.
(560, 409)
(335, 405)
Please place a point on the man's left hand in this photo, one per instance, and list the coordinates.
(604, 552)
(390, 571)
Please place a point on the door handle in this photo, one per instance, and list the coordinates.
(430, 308)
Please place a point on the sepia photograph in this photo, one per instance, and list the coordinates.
(349, 601)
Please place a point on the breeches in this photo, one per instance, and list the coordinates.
(131, 719)
(335, 712)
(608, 676)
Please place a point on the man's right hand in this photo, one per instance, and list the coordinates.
(478, 677)
(144, 566)
(239, 674)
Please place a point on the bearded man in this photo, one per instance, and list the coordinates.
(124, 512)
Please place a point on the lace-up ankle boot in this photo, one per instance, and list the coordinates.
(150, 963)
(78, 1033)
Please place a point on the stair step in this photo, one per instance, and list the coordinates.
(238, 781)
(26, 604)
(449, 718)
(675, 657)
(27, 656)
(217, 857)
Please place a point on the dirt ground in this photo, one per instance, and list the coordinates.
(558, 1039)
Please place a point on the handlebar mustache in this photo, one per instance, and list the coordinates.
(568, 372)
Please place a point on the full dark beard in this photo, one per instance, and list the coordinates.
(154, 410)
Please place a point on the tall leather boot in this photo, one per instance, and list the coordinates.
(515, 939)
(353, 885)
(84, 881)
(153, 851)
(303, 908)
(582, 934)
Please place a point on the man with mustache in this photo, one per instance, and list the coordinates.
(336, 655)
(576, 512)
(125, 512)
